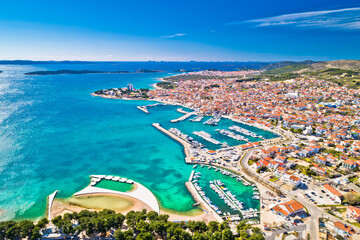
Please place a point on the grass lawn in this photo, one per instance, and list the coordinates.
(274, 179)
(354, 179)
(341, 210)
(355, 224)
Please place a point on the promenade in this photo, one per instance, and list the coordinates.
(51, 198)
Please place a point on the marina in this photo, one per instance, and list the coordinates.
(207, 137)
(233, 135)
(198, 118)
(217, 140)
(245, 131)
(226, 193)
(212, 121)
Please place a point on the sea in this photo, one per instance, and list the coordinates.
(54, 134)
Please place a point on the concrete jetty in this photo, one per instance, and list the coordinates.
(51, 198)
(143, 108)
(180, 140)
(191, 176)
(182, 118)
(180, 110)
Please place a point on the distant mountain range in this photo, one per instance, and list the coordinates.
(58, 72)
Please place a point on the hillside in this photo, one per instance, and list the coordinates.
(339, 64)
(343, 72)
(308, 66)
(282, 64)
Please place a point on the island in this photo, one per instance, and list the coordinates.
(128, 92)
(66, 71)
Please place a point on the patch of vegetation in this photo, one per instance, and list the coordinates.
(166, 85)
(287, 69)
(274, 179)
(133, 225)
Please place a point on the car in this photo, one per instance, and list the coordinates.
(323, 191)
(320, 196)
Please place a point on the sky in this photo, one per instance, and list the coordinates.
(171, 30)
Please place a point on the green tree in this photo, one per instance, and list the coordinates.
(26, 228)
(224, 225)
(42, 223)
(129, 234)
(159, 228)
(36, 233)
(145, 236)
(152, 216)
(119, 235)
(227, 234)
(216, 236)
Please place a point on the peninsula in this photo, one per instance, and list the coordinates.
(128, 92)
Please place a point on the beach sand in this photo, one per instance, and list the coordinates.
(195, 215)
(123, 204)
(97, 202)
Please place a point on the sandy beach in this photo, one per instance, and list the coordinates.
(123, 204)
(97, 202)
(194, 215)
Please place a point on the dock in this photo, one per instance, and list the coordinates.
(143, 108)
(191, 176)
(51, 198)
(198, 199)
(180, 110)
(182, 118)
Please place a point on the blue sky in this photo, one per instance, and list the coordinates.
(136, 30)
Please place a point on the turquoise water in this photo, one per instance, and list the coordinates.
(116, 186)
(53, 135)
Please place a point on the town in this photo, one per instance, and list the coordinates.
(310, 174)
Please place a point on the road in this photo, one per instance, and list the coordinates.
(314, 214)
(314, 211)
(274, 233)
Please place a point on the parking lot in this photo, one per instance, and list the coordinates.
(319, 197)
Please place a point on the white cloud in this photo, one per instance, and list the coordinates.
(346, 18)
(175, 35)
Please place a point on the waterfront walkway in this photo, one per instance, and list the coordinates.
(51, 198)
(140, 193)
(182, 118)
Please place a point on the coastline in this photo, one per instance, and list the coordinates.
(154, 86)
(97, 202)
(121, 204)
